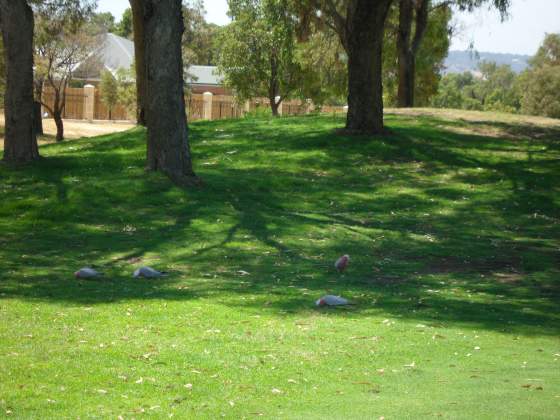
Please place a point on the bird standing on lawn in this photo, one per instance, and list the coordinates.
(342, 263)
(87, 273)
(148, 272)
(331, 300)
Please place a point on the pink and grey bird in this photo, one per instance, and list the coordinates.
(331, 300)
(87, 273)
(148, 272)
(342, 263)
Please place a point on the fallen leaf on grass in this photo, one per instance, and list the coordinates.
(188, 386)
(526, 386)
(362, 383)
(276, 391)
(101, 391)
(412, 365)
(139, 381)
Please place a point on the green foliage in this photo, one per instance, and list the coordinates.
(429, 58)
(536, 91)
(200, 37)
(494, 90)
(324, 68)
(108, 90)
(124, 27)
(103, 22)
(257, 53)
(454, 240)
(540, 83)
(126, 88)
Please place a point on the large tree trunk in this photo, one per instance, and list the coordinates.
(168, 146)
(363, 41)
(20, 141)
(37, 118)
(407, 48)
(37, 112)
(139, 60)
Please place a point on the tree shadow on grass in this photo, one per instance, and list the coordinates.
(424, 245)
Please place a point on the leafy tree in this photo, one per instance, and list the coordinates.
(199, 39)
(109, 91)
(60, 44)
(124, 27)
(428, 57)
(540, 83)
(360, 26)
(258, 51)
(103, 22)
(126, 89)
(324, 68)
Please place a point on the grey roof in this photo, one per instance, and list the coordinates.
(117, 52)
(204, 75)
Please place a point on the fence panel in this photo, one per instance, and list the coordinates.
(195, 107)
(74, 108)
(101, 111)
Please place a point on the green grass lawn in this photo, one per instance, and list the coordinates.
(454, 237)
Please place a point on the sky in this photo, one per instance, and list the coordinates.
(521, 33)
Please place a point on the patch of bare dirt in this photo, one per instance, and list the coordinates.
(74, 129)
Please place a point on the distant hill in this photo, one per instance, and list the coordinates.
(461, 61)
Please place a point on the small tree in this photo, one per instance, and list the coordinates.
(258, 51)
(126, 88)
(60, 45)
(109, 91)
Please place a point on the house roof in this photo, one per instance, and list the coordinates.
(117, 52)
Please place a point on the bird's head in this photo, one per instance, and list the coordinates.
(320, 302)
(77, 274)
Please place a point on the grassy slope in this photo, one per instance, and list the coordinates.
(454, 240)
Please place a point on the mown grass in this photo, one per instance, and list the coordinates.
(455, 245)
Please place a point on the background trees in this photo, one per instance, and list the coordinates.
(540, 84)
(109, 91)
(257, 53)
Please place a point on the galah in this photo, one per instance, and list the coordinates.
(331, 300)
(87, 273)
(342, 263)
(148, 272)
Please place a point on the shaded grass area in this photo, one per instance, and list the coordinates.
(454, 241)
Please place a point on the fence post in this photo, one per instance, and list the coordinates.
(207, 105)
(247, 106)
(89, 102)
(276, 99)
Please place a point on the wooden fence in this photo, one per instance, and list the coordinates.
(86, 104)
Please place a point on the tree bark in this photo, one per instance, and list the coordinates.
(37, 111)
(168, 146)
(37, 118)
(59, 126)
(407, 49)
(139, 60)
(363, 41)
(20, 141)
(57, 115)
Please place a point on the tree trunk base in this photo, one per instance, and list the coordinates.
(362, 132)
(181, 180)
